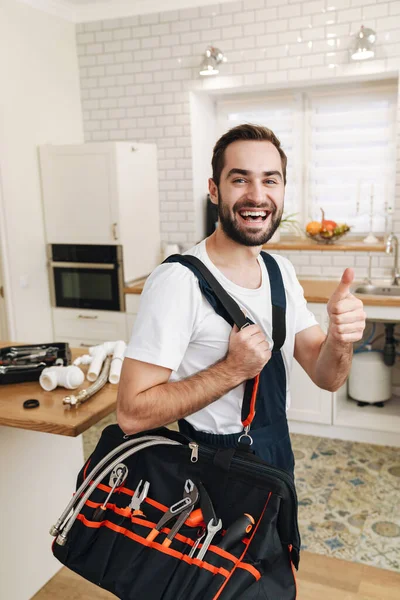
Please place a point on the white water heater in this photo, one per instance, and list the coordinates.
(370, 380)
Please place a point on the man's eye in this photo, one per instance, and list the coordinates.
(238, 180)
(270, 181)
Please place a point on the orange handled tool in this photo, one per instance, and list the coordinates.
(180, 509)
(236, 531)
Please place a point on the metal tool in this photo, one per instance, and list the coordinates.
(236, 531)
(117, 478)
(17, 368)
(197, 542)
(181, 510)
(211, 531)
(138, 498)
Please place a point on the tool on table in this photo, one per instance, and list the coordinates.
(138, 498)
(180, 509)
(29, 354)
(13, 368)
(236, 531)
(117, 478)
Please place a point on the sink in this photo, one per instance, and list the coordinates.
(377, 290)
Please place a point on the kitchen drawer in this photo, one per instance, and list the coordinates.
(75, 343)
(132, 303)
(88, 325)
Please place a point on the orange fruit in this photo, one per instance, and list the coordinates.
(314, 227)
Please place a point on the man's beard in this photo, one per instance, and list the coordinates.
(232, 229)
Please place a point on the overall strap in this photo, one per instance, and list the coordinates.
(278, 301)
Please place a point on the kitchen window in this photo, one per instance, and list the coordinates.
(341, 148)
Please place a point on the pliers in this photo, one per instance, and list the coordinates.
(183, 508)
(138, 498)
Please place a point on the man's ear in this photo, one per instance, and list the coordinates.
(213, 190)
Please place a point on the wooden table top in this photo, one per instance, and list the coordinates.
(315, 290)
(52, 416)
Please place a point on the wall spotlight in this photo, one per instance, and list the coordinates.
(362, 47)
(212, 58)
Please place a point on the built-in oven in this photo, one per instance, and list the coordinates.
(86, 276)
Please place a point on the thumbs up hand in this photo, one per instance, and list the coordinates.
(346, 312)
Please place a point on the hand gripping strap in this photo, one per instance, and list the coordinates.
(237, 316)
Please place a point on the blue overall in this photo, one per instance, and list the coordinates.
(269, 429)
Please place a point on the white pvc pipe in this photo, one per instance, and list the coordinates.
(116, 362)
(69, 377)
(98, 357)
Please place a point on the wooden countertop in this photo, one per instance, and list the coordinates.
(310, 245)
(52, 416)
(315, 290)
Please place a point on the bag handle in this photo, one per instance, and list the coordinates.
(236, 314)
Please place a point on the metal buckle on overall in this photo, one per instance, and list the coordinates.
(245, 434)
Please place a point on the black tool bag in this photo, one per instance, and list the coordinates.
(120, 551)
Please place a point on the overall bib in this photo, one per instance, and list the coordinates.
(269, 428)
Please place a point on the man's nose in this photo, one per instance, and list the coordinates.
(255, 191)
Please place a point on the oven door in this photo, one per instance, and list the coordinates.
(96, 286)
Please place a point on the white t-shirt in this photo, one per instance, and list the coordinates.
(177, 328)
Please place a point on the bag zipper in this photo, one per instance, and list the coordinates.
(260, 468)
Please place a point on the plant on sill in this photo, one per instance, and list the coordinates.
(290, 224)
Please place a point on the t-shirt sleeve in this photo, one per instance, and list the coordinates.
(166, 317)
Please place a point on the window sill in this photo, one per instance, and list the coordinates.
(354, 245)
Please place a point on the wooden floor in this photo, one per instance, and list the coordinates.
(319, 578)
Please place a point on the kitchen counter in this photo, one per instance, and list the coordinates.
(52, 416)
(41, 468)
(315, 290)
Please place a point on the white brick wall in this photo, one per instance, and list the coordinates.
(137, 72)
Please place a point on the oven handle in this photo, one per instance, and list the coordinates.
(82, 265)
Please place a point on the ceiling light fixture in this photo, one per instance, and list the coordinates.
(362, 47)
(212, 58)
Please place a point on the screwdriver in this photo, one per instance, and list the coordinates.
(236, 531)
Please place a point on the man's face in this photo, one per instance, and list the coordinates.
(251, 192)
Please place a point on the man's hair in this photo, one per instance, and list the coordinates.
(247, 131)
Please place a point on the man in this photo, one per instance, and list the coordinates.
(186, 363)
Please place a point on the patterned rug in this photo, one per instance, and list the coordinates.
(349, 500)
(349, 497)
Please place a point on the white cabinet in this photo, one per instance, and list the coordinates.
(309, 402)
(81, 328)
(104, 193)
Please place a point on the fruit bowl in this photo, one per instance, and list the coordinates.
(326, 231)
(320, 238)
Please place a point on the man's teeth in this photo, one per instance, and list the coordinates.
(252, 213)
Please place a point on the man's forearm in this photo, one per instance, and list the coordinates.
(333, 364)
(168, 402)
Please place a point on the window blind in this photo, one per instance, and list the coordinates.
(341, 148)
(350, 147)
(281, 114)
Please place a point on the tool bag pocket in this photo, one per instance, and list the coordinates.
(114, 552)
